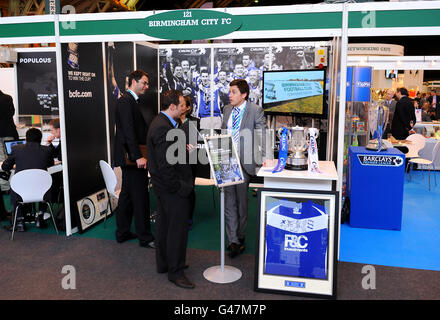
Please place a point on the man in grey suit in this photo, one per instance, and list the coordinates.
(245, 121)
(390, 103)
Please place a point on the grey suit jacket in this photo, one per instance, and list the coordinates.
(392, 108)
(252, 130)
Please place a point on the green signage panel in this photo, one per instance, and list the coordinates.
(36, 29)
(394, 18)
(189, 24)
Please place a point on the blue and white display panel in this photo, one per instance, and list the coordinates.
(296, 247)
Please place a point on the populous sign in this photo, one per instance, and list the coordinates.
(189, 24)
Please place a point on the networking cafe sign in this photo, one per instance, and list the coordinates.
(189, 24)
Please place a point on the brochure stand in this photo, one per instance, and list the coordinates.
(226, 169)
(222, 273)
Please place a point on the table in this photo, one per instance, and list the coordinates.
(57, 167)
(302, 180)
(426, 127)
(375, 187)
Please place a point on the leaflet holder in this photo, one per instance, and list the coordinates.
(226, 169)
(222, 273)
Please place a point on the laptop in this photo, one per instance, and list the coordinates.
(10, 143)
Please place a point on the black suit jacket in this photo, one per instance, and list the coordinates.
(131, 130)
(56, 151)
(403, 114)
(7, 126)
(31, 155)
(166, 177)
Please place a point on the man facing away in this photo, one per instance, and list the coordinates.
(31, 155)
(172, 184)
(404, 116)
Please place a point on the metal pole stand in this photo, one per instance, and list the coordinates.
(222, 273)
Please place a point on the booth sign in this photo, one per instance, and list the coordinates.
(190, 24)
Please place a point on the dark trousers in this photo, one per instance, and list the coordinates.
(172, 234)
(134, 202)
(2, 207)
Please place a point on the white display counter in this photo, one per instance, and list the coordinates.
(302, 180)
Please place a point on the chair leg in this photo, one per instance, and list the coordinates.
(15, 220)
(53, 218)
(429, 179)
(408, 169)
(108, 205)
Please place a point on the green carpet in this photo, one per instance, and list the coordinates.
(205, 233)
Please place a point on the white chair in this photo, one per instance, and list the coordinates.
(417, 144)
(427, 162)
(111, 181)
(31, 185)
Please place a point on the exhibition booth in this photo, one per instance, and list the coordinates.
(81, 78)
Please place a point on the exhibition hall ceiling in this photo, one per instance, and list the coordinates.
(173, 4)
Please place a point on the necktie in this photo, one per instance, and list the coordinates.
(235, 124)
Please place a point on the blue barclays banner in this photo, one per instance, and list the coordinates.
(358, 84)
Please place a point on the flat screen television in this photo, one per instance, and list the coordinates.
(294, 92)
(391, 74)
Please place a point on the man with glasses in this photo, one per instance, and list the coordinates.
(130, 140)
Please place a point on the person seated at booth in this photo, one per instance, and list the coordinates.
(31, 155)
(55, 133)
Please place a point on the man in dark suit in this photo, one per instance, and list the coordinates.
(31, 155)
(172, 185)
(8, 131)
(7, 110)
(242, 119)
(57, 178)
(131, 133)
(436, 104)
(404, 114)
(55, 133)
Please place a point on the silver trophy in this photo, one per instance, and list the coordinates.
(377, 121)
(298, 144)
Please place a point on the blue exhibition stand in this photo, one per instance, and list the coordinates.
(375, 187)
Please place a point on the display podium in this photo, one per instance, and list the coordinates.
(375, 188)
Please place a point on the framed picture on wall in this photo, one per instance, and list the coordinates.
(296, 249)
